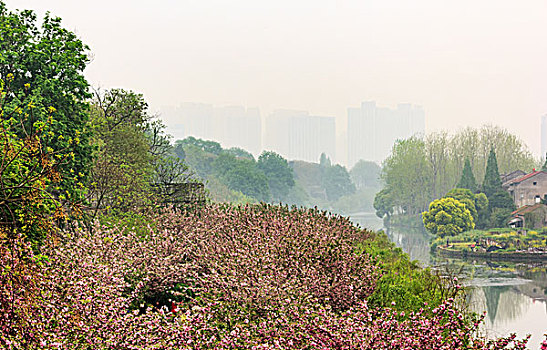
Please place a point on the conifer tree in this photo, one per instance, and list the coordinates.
(544, 167)
(492, 180)
(468, 179)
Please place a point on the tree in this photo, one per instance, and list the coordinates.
(476, 203)
(492, 180)
(383, 203)
(337, 182)
(205, 145)
(240, 153)
(135, 163)
(482, 205)
(123, 166)
(501, 199)
(467, 180)
(324, 161)
(242, 175)
(30, 205)
(365, 174)
(407, 175)
(47, 62)
(466, 197)
(279, 174)
(447, 217)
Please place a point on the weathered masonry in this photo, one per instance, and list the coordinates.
(528, 189)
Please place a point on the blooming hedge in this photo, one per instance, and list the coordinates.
(257, 277)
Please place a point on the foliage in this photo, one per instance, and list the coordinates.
(403, 284)
(123, 166)
(476, 203)
(324, 161)
(499, 217)
(242, 175)
(468, 179)
(492, 180)
(264, 277)
(337, 182)
(384, 203)
(482, 205)
(212, 147)
(407, 174)
(29, 174)
(447, 217)
(501, 199)
(279, 174)
(47, 63)
(134, 162)
(418, 172)
(365, 174)
(240, 153)
(360, 201)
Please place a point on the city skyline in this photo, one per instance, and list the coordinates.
(298, 135)
(468, 63)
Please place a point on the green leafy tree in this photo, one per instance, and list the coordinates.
(31, 204)
(365, 174)
(47, 62)
(324, 161)
(476, 203)
(279, 174)
(499, 217)
(240, 153)
(447, 217)
(384, 204)
(501, 199)
(492, 180)
(468, 179)
(123, 166)
(205, 145)
(407, 175)
(135, 164)
(242, 175)
(337, 183)
(466, 197)
(482, 205)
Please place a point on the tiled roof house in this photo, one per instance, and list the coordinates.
(528, 189)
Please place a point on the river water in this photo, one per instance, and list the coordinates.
(514, 296)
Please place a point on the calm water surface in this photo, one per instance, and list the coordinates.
(514, 296)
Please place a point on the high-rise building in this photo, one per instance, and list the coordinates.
(232, 126)
(373, 130)
(543, 136)
(297, 135)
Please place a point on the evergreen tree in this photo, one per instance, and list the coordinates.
(544, 167)
(492, 180)
(468, 179)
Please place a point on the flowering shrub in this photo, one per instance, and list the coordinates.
(262, 277)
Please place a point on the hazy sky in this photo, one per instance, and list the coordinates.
(467, 62)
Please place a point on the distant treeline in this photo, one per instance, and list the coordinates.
(233, 175)
(421, 170)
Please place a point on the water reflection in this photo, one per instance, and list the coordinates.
(514, 296)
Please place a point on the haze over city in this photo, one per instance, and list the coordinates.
(467, 63)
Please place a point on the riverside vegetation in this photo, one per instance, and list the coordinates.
(91, 257)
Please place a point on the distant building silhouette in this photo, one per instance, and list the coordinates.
(296, 135)
(373, 130)
(231, 126)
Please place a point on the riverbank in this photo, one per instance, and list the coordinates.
(500, 244)
(532, 256)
